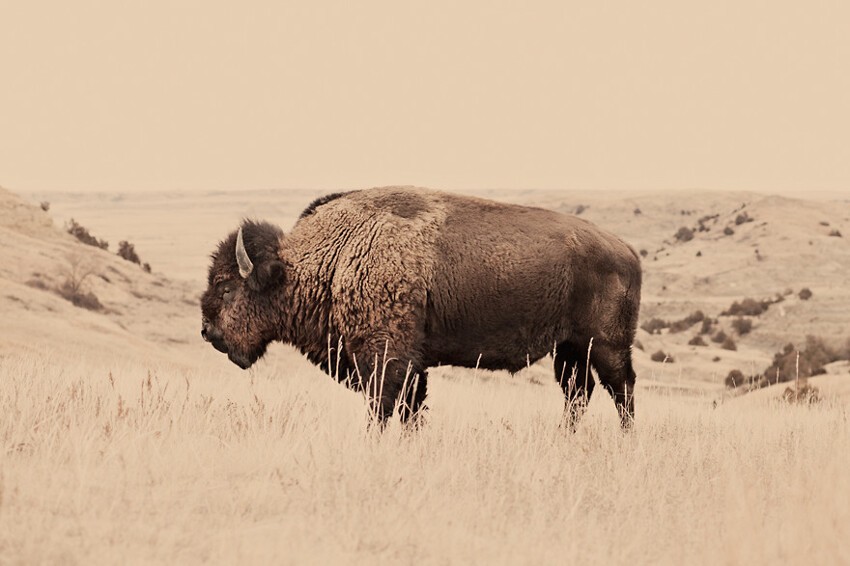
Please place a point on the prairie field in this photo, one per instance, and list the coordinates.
(124, 463)
(124, 438)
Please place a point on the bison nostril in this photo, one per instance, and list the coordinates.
(204, 334)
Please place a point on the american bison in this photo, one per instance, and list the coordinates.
(376, 286)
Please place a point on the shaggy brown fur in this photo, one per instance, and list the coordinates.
(375, 286)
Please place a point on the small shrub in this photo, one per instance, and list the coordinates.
(660, 356)
(728, 231)
(127, 251)
(719, 337)
(697, 341)
(83, 235)
(734, 379)
(699, 253)
(729, 344)
(824, 223)
(147, 267)
(743, 218)
(804, 394)
(76, 272)
(747, 307)
(742, 325)
(82, 299)
(789, 364)
(706, 326)
(637, 212)
(38, 283)
(687, 322)
(580, 208)
(805, 294)
(835, 233)
(655, 325)
(715, 359)
(684, 234)
(45, 206)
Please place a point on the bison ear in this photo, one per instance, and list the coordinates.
(267, 275)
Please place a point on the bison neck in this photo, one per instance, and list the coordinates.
(306, 321)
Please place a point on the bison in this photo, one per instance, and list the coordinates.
(375, 286)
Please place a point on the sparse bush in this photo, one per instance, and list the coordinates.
(729, 344)
(644, 253)
(804, 394)
(702, 222)
(127, 251)
(580, 208)
(824, 223)
(719, 337)
(743, 218)
(735, 379)
(76, 273)
(655, 325)
(82, 299)
(816, 354)
(748, 307)
(660, 356)
(637, 212)
(835, 233)
(697, 341)
(38, 283)
(45, 206)
(637, 344)
(83, 235)
(728, 231)
(699, 253)
(805, 294)
(706, 326)
(687, 322)
(147, 267)
(684, 234)
(742, 325)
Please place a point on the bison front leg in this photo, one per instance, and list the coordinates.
(382, 378)
(412, 406)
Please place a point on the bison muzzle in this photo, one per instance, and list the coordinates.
(376, 286)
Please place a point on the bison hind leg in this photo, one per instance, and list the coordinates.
(614, 367)
(573, 374)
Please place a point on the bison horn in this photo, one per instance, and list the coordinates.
(245, 264)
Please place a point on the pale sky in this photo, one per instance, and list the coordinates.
(179, 95)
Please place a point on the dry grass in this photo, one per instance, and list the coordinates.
(165, 465)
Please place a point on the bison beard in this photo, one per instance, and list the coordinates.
(376, 286)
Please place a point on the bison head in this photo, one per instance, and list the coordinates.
(238, 307)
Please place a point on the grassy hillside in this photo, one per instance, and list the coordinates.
(125, 438)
